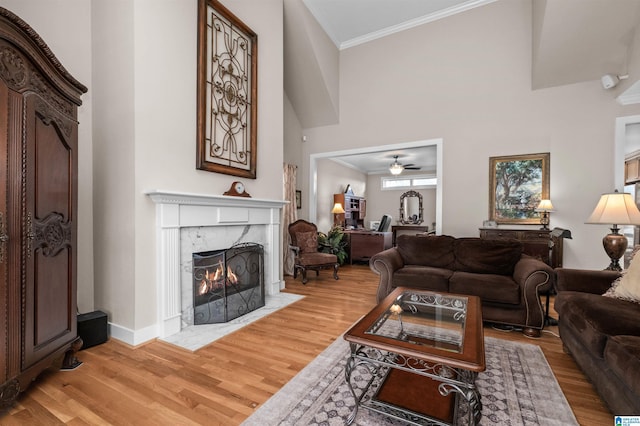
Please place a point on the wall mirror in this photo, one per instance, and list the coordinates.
(411, 208)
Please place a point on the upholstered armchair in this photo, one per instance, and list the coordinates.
(304, 243)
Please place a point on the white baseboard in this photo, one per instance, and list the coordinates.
(133, 337)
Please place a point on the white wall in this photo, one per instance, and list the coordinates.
(65, 25)
(114, 158)
(467, 79)
(163, 73)
(335, 179)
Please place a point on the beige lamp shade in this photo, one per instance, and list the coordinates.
(337, 208)
(545, 206)
(616, 208)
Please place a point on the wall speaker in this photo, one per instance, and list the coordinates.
(92, 328)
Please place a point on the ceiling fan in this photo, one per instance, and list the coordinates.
(396, 168)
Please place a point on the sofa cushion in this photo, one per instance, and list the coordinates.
(627, 287)
(422, 277)
(622, 355)
(489, 287)
(595, 318)
(484, 256)
(432, 250)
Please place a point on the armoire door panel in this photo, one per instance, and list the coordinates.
(51, 239)
(50, 293)
(52, 161)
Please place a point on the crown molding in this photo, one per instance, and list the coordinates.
(444, 13)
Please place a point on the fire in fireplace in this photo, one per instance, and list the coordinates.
(227, 283)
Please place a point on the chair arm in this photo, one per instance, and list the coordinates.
(385, 264)
(584, 280)
(295, 249)
(534, 277)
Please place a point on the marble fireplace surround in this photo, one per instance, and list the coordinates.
(187, 223)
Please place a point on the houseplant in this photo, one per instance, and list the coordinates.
(334, 242)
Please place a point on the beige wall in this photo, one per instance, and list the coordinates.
(114, 159)
(335, 179)
(65, 25)
(467, 79)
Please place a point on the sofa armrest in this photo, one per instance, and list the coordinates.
(584, 280)
(535, 278)
(385, 264)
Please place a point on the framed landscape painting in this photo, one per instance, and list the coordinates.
(517, 183)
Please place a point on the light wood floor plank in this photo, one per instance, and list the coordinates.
(222, 384)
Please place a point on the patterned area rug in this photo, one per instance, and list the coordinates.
(517, 388)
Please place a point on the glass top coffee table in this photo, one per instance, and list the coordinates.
(415, 357)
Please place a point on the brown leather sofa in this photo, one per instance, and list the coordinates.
(602, 334)
(508, 282)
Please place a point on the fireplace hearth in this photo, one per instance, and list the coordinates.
(227, 283)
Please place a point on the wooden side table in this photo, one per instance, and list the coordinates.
(537, 243)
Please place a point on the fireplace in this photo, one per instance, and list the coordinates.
(187, 223)
(227, 283)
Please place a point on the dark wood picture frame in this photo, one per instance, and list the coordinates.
(298, 199)
(517, 183)
(227, 92)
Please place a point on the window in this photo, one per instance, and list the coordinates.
(408, 182)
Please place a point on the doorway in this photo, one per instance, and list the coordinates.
(314, 178)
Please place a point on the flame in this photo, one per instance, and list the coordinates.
(204, 287)
(215, 279)
(231, 277)
(217, 276)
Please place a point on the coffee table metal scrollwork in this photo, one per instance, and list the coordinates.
(419, 353)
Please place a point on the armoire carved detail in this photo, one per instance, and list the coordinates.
(51, 235)
(21, 77)
(12, 68)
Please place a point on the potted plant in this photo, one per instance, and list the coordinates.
(334, 242)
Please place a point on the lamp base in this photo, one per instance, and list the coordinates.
(614, 245)
(544, 221)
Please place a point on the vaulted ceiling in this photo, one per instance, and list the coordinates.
(573, 41)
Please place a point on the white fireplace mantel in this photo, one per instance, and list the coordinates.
(176, 210)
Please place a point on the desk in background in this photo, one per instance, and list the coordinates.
(364, 244)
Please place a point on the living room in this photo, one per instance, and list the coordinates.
(466, 80)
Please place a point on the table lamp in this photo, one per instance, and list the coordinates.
(337, 210)
(615, 208)
(545, 207)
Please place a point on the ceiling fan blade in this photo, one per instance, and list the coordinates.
(412, 167)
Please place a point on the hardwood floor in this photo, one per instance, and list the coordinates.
(223, 383)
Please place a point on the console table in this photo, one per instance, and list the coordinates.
(396, 228)
(364, 244)
(538, 243)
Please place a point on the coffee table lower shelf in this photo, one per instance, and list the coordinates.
(412, 398)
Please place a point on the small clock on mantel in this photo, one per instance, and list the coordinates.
(237, 189)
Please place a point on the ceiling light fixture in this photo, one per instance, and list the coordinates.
(396, 168)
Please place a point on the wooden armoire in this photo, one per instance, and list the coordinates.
(38, 208)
